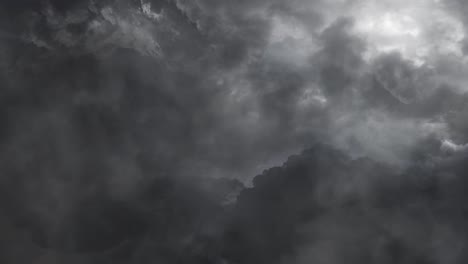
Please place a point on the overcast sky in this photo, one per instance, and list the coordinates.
(108, 103)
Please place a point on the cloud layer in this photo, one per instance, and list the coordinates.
(136, 124)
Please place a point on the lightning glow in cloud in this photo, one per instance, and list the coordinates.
(416, 29)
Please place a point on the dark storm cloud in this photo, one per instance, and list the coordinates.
(117, 115)
(323, 207)
(92, 116)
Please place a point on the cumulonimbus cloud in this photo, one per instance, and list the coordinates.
(154, 112)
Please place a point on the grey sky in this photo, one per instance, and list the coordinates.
(101, 100)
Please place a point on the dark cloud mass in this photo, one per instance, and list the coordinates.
(131, 131)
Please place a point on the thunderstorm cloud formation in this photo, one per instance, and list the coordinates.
(233, 132)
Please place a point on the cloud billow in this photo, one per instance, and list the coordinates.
(130, 130)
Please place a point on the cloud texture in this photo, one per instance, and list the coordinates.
(130, 130)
